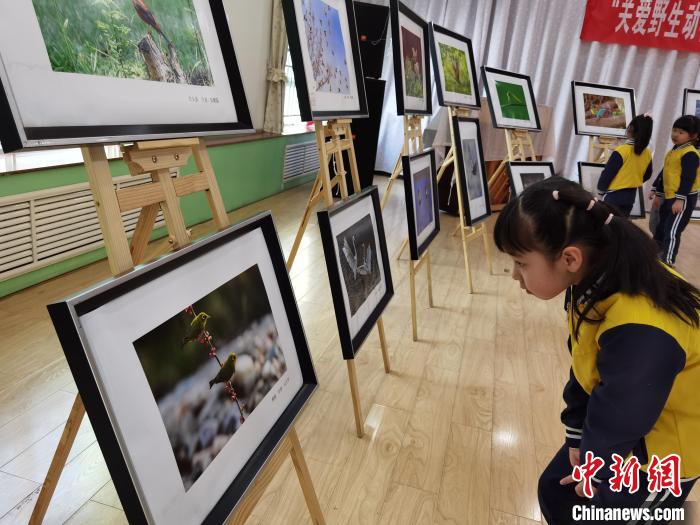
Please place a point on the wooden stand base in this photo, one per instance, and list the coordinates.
(352, 378)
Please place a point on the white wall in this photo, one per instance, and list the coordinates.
(250, 22)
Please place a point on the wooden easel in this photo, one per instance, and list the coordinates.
(352, 378)
(600, 148)
(332, 139)
(158, 158)
(412, 143)
(519, 148)
(413, 267)
(468, 233)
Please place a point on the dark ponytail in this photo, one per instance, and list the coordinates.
(622, 255)
(641, 127)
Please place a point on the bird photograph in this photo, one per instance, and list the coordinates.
(209, 365)
(123, 38)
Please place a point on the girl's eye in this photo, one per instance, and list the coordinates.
(519, 264)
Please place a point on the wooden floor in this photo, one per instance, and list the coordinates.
(457, 433)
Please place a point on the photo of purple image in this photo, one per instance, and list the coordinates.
(697, 108)
(324, 37)
(423, 199)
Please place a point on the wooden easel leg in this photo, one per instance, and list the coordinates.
(171, 209)
(382, 343)
(392, 178)
(430, 278)
(470, 286)
(449, 159)
(414, 321)
(401, 250)
(59, 460)
(313, 198)
(355, 392)
(307, 486)
(487, 247)
(216, 201)
(142, 232)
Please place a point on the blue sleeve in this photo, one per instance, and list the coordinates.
(608, 174)
(647, 173)
(637, 366)
(574, 414)
(689, 170)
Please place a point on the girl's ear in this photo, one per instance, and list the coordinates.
(572, 256)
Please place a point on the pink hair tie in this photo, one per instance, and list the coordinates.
(609, 219)
(555, 194)
(590, 205)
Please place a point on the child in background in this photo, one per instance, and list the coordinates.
(675, 191)
(629, 166)
(634, 342)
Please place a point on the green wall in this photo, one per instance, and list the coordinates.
(246, 172)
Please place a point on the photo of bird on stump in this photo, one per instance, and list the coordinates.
(157, 40)
(210, 366)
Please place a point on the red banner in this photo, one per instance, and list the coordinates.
(668, 24)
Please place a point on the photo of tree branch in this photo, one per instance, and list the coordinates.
(155, 40)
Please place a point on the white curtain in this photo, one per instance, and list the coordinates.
(276, 78)
(540, 38)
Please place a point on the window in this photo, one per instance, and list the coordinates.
(291, 115)
(34, 159)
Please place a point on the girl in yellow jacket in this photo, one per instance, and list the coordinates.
(628, 167)
(676, 187)
(634, 343)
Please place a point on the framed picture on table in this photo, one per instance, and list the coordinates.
(455, 73)
(524, 174)
(423, 215)
(602, 110)
(588, 175)
(325, 54)
(192, 369)
(410, 42)
(511, 99)
(354, 245)
(118, 72)
(472, 171)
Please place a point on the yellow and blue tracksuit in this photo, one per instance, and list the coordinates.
(632, 390)
(623, 174)
(678, 181)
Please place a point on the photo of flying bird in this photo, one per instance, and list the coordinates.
(146, 15)
(226, 372)
(197, 327)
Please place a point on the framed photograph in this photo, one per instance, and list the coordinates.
(511, 99)
(691, 102)
(352, 232)
(524, 174)
(326, 58)
(410, 42)
(455, 72)
(422, 211)
(192, 369)
(118, 71)
(602, 110)
(588, 175)
(471, 169)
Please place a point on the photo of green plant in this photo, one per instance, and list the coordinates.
(210, 366)
(159, 40)
(511, 98)
(454, 66)
(412, 63)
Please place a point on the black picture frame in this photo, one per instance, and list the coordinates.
(418, 246)
(580, 126)
(492, 99)
(637, 212)
(687, 93)
(295, 48)
(512, 167)
(471, 218)
(67, 315)
(402, 107)
(14, 135)
(350, 344)
(443, 98)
